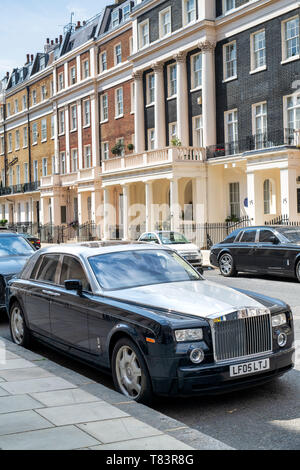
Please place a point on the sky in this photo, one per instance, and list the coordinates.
(25, 25)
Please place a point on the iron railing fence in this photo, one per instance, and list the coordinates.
(282, 220)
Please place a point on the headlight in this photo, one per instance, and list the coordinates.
(196, 334)
(278, 320)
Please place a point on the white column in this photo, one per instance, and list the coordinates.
(78, 67)
(93, 61)
(149, 203)
(139, 120)
(94, 128)
(54, 81)
(159, 109)
(182, 99)
(56, 141)
(125, 211)
(66, 73)
(206, 10)
(55, 204)
(67, 133)
(288, 189)
(106, 203)
(79, 125)
(80, 218)
(174, 204)
(208, 93)
(255, 196)
(200, 208)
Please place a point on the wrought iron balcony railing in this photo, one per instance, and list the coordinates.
(20, 188)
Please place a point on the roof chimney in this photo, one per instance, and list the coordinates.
(32, 57)
(60, 38)
(56, 40)
(48, 41)
(78, 26)
(27, 59)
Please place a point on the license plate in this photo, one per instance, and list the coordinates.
(249, 367)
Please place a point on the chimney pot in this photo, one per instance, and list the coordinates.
(48, 41)
(60, 38)
(31, 57)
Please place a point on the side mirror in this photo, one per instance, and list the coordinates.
(74, 284)
(274, 240)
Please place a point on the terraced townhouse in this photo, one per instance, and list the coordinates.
(158, 114)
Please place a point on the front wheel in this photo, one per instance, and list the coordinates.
(226, 265)
(18, 329)
(298, 271)
(130, 373)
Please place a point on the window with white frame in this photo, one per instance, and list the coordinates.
(45, 167)
(73, 75)
(86, 69)
(16, 106)
(43, 92)
(44, 130)
(126, 12)
(18, 175)
(290, 38)
(24, 101)
(258, 50)
(61, 121)
(172, 80)
(26, 173)
(25, 137)
(234, 199)
(189, 11)
(229, 60)
(119, 102)
(74, 154)
(198, 131)
(86, 113)
(103, 61)
(118, 54)
(228, 5)
(87, 156)
(121, 142)
(52, 127)
(8, 109)
(2, 144)
(267, 197)
(151, 139)
(150, 88)
(51, 88)
(105, 150)
(260, 125)
(292, 118)
(231, 132)
(172, 132)
(144, 34)
(10, 177)
(165, 25)
(73, 117)
(17, 140)
(63, 163)
(33, 97)
(61, 81)
(104, 108)
(34, 133)
(115, 18)
(9, 142)
(196, 70)
(35, 171)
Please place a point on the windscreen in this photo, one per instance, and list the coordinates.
(14, 246)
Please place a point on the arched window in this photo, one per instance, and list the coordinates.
(267, 197)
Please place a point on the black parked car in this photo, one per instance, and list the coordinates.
(14, 253)
(35, 241)
(261, 250)
(146, 314)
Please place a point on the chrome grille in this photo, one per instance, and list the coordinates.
(241, 338)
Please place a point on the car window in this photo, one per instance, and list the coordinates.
(144, 238)
(47, 269)
(72, 269)
(152, 238)
(248, 236)
(266, 236)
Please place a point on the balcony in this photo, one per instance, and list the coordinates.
(154, 158)
(20, 188)
(256, 143)
(71, 179)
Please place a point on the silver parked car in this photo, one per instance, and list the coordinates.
(178, 242)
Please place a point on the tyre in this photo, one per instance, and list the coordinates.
(130, 373)
(19, 332)
(298, 271)
(226, 265)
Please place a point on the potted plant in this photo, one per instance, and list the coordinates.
(232, 218)
(3, 222)
(176, 142)
(117, 150)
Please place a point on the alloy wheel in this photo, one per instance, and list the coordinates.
(17, 325)
(226, 264)
(129, 372)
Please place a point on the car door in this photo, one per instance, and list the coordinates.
(68, 310)
(271, 254)
(244, 250)
(39, 293)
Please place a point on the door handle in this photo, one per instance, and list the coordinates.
(52, 294)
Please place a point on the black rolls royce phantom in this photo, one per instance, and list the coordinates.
(261, 250)
(147, 315)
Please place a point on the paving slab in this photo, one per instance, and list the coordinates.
(13, 403)
(16, 364)
(65, 397)
(116, 430)
(3, 393)
(24, 374)
(63, 438)
(12, 423)
(81, 413)
(36, 385)
(162, 442)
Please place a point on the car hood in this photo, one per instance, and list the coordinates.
(12, 264)
(199, 298)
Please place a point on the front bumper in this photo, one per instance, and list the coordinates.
(215, 378)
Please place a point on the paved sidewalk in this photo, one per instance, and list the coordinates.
(46, 406)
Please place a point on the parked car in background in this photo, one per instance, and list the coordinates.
(177, 242)
(14, 253)
(147, 315)
(35, 241)
(261, 250)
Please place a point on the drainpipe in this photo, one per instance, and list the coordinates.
(29, 136)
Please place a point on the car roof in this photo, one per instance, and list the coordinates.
(88, 249)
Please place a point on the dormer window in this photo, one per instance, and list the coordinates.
(115, 18)
(42, 63)
(126, 12)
